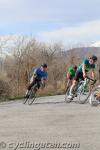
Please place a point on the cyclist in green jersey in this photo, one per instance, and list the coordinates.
(70, 75)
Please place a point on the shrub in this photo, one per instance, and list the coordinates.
(4, 89)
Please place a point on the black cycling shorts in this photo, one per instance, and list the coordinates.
(71, 77)
(33, 83)
(78, 76)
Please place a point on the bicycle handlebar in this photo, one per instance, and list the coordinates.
(94, 81)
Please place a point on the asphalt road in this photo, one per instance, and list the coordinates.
(49, 122)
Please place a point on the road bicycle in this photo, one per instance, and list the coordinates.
(32, 94)
(82, 91)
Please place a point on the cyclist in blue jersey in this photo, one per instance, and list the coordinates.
(83, 69)
(40, 73)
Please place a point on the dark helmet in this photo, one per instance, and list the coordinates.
(75, 67)
(94, 58)
(44, 65)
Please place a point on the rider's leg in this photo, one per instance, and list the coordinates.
(69, 81)
(31, 84)
(75, 81)
(68, 84)
(72, 87)
(29, 88)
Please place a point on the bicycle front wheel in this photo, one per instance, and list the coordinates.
(95, 97)
(32, 97)
(83, 94)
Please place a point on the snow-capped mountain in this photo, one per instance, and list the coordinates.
(96, 44)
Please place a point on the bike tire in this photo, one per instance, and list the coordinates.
(92, 100)
(32, 97)
(83, 95)
(26, 98)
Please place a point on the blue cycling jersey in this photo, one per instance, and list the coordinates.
(88, 66)
(40, 74)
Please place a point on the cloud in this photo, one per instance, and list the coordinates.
(85, 32)
(51, 20)
(48, 10)
(29, 10)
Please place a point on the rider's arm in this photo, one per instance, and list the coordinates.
(84, 66)
(93, 74)
(45, 78)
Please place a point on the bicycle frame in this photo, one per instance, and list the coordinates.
(81, 85)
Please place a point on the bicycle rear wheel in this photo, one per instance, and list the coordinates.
(26, 97)
(94, 98)
(83, 94)
(25, 100)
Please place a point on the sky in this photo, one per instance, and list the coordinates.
(66, 21)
